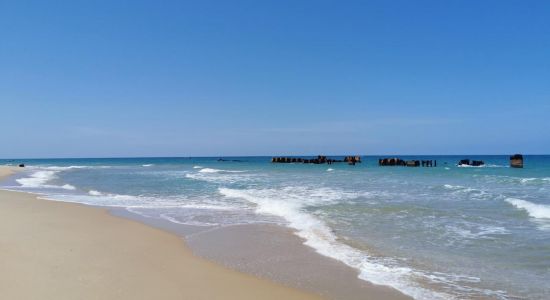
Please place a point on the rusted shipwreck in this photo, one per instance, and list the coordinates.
(320, 159)
(394, 161)
(516, 161)
(472, 163)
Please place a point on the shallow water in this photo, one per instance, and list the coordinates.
(433, 233)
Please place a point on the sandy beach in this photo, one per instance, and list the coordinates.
(58, 250)
(55, 250)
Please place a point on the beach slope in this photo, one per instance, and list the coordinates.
(56, 250)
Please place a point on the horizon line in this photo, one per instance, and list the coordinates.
(278, 155)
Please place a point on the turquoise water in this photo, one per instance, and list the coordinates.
(446, 232)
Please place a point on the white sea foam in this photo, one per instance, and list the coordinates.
(330, 169)
(147, 165)
(529, 180)
(95, 193)
(95, 197)
(452, 187)
(65, 168)
(537, 211)
(197, 167)
(458, 188)
(462, 189)
(220, 176)
(496, 166)
(59, 168)
(289, 204)
(216, 177)
(197, 213)
(483, 166)
(114, 200)
(39, 179)
(174, 219)
(68, 187)
(475, 231)
(210, 170)
(533, 180)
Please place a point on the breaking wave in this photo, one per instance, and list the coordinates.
(63, 168)
(209, 170)
(537, 211)
(40, 179)
(289, 203)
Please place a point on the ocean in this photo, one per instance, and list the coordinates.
(445, 232)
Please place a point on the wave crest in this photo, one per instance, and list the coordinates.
(40, 179)
(210, 170)
(537, 211)
(289, 204)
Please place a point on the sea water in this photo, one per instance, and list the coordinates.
(445, 232)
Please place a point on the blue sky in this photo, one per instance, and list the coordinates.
(198, 78)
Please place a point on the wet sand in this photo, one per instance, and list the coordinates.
(275, 253)
(7, 170)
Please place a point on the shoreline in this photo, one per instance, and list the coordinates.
(58, 250)
(275, 253)
(80, 250)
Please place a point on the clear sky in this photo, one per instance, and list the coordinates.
(201, 78)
